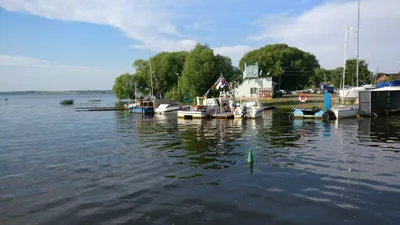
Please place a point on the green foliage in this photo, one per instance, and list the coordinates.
(124, 86)
(166, 67)
(142, 76)
(173, 95)
(296, 66)
(364, 75)
(67, 102)
(237, 76)
(320, 76)
(335, 76)
(200, 71)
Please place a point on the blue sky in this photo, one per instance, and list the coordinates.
(75, 45)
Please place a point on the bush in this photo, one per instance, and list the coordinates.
(173, 96)
(67, 102)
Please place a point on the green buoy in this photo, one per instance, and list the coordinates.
(251, 167)
(250, 157)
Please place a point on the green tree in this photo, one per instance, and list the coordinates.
(124, 86)
(232, 74)
(195, 76)
(202, 69)
(166, 67)
(364, 75)
(336, 76)
(294, 66)
(199, 72)
(142, 76)
(237, 76)
(321, 75)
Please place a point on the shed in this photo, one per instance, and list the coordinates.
(379, 101)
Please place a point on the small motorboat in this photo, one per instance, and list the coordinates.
(249, 110)
(167, 108)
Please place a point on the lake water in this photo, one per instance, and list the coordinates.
(58, 166)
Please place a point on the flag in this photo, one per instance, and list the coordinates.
(218, 85)
(222, 83)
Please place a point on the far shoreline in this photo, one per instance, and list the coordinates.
(57, 92)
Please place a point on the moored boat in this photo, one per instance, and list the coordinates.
(167, 108)
(208, 108)
(351, 93)
(142, 107)
(249, 110)
(345, 111)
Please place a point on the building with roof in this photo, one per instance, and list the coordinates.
(381, 77)
(379, 101)
(253, 85)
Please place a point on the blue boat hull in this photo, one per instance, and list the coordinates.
(307, 113)
(142, 110)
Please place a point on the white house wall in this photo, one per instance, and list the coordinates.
(243, 90)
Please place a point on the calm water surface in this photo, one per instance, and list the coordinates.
(58, 166)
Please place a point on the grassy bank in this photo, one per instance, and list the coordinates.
(291, 105)
(292, 101)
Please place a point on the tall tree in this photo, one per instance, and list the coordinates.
(232, 74)
(364, 75)
(167, 66)
(124, 86)
(321, 75)
(294, 66)
(336, 76)
(142, 76)
(200, 71)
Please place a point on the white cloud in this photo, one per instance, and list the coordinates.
(23, 73)
(202, 23)
(9, 60)
(151, 22)
(235, 52)
(170, 45)
(321, 31)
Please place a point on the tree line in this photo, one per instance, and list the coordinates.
(197, 70)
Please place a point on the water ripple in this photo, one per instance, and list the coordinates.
(58, 166)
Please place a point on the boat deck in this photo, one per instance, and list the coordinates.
(224, 115)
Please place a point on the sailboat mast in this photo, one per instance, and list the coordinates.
(344, 66)
(151, 77)
(358, 41)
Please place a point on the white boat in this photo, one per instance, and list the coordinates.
(208, 108)
(351, 93)
(167, 108)
(349, 111)
(132, 105)
(345, 111)
(250, 110)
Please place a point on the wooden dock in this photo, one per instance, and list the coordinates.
(121, 108)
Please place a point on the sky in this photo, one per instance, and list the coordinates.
(84, 45)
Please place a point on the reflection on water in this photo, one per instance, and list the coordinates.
(67, 167)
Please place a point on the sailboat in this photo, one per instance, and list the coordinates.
(351, 93)
(347, 111)
(144, 106)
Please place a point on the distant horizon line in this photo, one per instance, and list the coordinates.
(57, 91)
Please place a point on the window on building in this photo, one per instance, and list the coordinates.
(253, 91)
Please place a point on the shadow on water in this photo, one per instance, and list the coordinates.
(133, 169)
